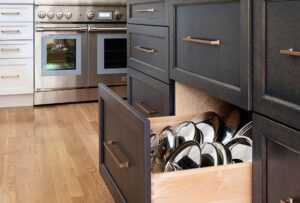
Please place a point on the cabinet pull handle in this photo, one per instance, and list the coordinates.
(144, 49)
(202, 41)
(10, 13)
(10, 49)
(150, 10)
(10, 31)
(10, 76)
(5, 65)
(145, 108)
(121, 165)
(290, 52)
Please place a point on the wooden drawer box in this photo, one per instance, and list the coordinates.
(148, 50)
(148, 12)
(16, 49)
(276, 168)
(212, 49)
(135, 183)
(148, 95)
(16, 76)
(16, 31)
(277, 61)
(16, 13)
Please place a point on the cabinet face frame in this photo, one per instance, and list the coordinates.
(278, 109)
(240, 96)
(264, 131)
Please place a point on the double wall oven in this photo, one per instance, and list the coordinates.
(75, 49)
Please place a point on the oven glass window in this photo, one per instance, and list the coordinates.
(115, 53)
(61, 55)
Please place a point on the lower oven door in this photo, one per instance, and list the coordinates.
(107, 54)
(61, 56)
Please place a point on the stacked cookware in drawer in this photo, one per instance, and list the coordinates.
(16, 55)
(148, 57)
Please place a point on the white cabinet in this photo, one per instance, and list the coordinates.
(16, 2)
(16, 31)
(16, 13)
(16, 49)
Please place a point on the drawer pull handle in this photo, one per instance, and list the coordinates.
(10, 49)
(10, 31)
(10, 13)
(202, 41)
(10, 76)
(144, 49)
(150, 10)
(145, 108)
(119, 163)
(5, 65)
(290, 52)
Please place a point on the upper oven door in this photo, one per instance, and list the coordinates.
(107, 54)
(61, 56)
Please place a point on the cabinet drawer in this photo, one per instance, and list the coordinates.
(16, 76)
(16, 13)
(150, 96)
(16, 49)
(125, 162)
(277, 165)
(212, 53)
(148, 12)
(148, 50)
(15, 31)
(277, 61)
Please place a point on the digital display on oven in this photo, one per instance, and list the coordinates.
(106, 15)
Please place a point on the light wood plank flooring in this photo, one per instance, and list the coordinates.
(50, 154)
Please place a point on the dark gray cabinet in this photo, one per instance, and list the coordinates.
(150, 96)
(147, 12)
(148, 50)
(276, 169)
(211, 48)
(277, 60)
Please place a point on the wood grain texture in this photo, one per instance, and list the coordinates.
(231, 183)
(50, 154)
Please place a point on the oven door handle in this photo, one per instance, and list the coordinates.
(107, 29)
(59, 29)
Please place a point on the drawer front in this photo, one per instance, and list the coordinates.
(16, 76)
(15, 31)
(148, 50)
(276, 161)
(209, 58)
(150, 96)
(16, 49)
(276, 67)
(148, 12)
(124, 149)
(16, 13)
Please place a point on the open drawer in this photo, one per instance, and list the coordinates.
(125, 160)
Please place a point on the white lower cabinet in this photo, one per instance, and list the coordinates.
(16, 31)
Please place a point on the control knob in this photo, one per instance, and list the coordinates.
(68, 14)
(59, 14)
(50, 14)
(42, 14)
(118, 15)
(90, 14)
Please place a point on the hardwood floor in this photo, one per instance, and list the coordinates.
(50, 154)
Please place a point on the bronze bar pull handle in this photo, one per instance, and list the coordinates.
(10, 76)
(121, 165)
(146, 50)
(10, 31)
(10, 13)
(141, 105)
(202, 41)
(9, 49)
(150, 10)
(290, 52)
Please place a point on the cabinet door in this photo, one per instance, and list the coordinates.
(276, 162)
(277, 60)
(150, 96)
(124, 148)
(211, 48)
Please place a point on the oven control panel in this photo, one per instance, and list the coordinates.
(80, 14)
